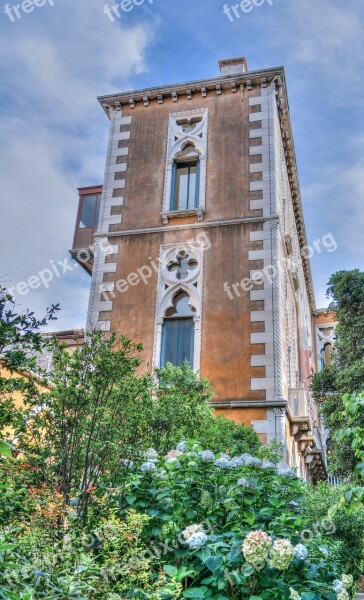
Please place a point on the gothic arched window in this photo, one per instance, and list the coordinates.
(178, 332)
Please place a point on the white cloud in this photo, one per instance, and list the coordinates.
(54, 136)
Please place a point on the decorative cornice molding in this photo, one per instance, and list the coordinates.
(200, 86)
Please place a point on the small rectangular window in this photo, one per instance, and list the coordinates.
(90, 211)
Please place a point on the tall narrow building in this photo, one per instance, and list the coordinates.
(200, 249)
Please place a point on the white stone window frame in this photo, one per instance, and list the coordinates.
(169, 285)
(176, 140)
(325, 334)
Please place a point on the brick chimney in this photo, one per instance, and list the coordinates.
(233, 66)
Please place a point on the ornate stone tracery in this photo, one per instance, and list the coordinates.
(181, 270)
(184, 129)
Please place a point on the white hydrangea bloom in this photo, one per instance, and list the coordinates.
(281, 554)
(256, 547)
(347, 581)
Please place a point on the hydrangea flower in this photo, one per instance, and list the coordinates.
(347, 581)
(172, 455)
(182, 447)
(74, 502)
(294, 595)
(243, 482)
(206, 456)
(127, 463)
(267, 464)
(195, 536)
(251, 461)
(281, 554)
(246, 456)
(301, 552)
(147, 466)
(237, 461)
(343, 595)
(192, 464)
(222, 463)
(191, 453)
(256, 547)
(196, 541)
(337, 586)
(151, 454)
(287, 473)
(191, 530)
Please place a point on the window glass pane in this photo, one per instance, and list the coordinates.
(98, 202)
(192, 187)
(169, 342)
(181, 187)
(88, 211)
(177, 341)
(181, 307)
(185, 341)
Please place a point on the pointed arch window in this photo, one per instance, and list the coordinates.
(185, 179)
(178, 332)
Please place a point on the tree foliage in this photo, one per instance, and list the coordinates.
(20, 342)
(346, 375)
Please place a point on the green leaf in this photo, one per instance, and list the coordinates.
(5, 449)
(214, 563)
(4, 547)
(249, 516)
(194, 593)
(247, 569)
(231, 515)
(170, 570)
(130, 498)
(182, 573)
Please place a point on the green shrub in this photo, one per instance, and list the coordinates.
(190, 524)
(346, 530)
(204, 508)
(223, 435)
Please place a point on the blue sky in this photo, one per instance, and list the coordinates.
(57, 59)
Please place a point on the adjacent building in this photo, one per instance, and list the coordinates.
(196, 246)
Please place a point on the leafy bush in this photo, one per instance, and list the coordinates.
(346, 530)
(223, 435)
(190, 524)
(203, 510)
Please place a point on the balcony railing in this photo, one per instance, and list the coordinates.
(298, 402)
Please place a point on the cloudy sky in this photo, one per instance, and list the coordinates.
(57, 59)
